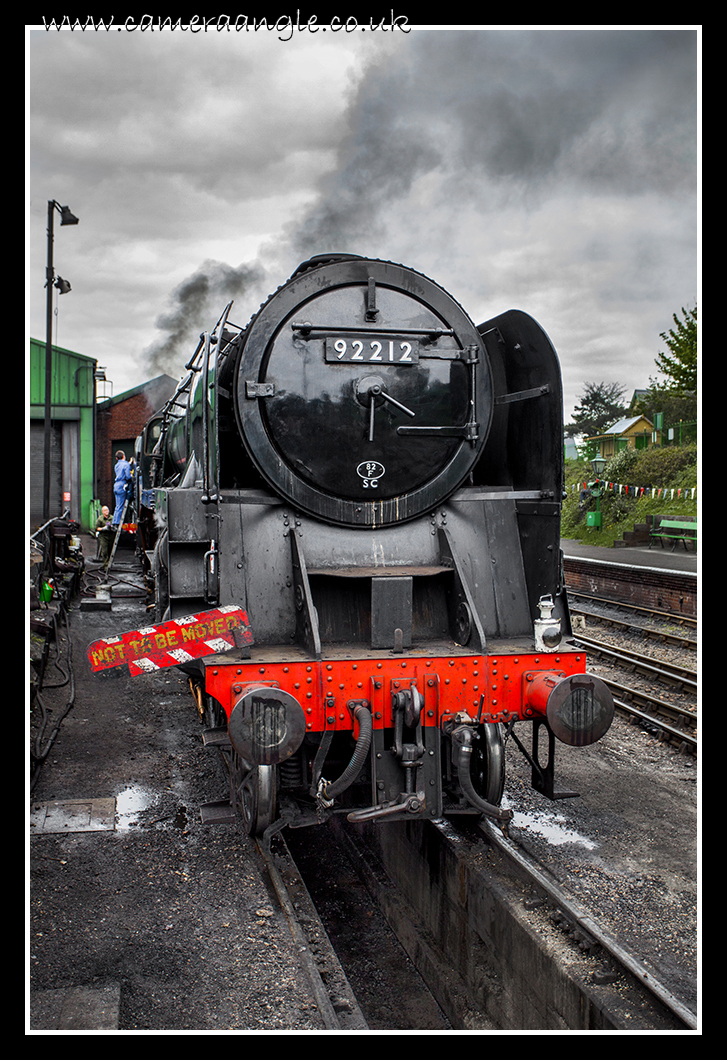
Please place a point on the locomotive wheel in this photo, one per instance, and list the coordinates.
(488, 763)
(256, 797)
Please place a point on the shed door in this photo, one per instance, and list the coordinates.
(37, 464)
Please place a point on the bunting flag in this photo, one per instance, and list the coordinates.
(680, 493)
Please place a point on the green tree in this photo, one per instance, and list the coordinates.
(674, 404)
(601, 405)
(680, 364)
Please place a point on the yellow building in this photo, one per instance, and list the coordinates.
(635, 432)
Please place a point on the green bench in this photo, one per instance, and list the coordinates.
(676, 530)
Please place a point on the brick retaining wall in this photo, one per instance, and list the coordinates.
(642, 586)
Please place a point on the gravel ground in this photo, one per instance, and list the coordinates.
(633, 639)
(626, 849)
(178, 917)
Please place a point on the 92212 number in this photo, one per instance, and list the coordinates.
(371, 351)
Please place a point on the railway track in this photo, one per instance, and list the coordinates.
(361, 976)
(626, 627)
(681, 677)
(335, 998)
(640, 696)
(644, 703)
(589, 936)
(613, 979)
(669, 617)
(339, 989)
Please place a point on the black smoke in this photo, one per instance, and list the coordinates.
(471, 123)
(494, 116)
(196, 305)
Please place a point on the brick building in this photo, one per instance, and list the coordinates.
(119, 421)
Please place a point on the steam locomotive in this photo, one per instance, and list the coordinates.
(377, 482)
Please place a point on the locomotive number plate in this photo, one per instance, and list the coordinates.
(362, 349)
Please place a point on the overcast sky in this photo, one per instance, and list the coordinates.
(552, 171)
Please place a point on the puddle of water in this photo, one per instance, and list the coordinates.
(132, 801)
(552, 828)
(129, 804)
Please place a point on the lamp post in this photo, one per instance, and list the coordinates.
(594, 518)
(67, 218)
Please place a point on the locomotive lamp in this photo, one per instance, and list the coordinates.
(594, 518)
(547, 629)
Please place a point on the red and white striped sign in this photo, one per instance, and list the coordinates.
(172, 643)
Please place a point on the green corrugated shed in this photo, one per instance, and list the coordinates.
(73, 431)
(72, 377)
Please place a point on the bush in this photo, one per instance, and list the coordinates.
(674, 467)
(620, 468)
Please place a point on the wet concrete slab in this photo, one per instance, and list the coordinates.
(76, 1009)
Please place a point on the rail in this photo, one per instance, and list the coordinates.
(669, 674)
(624, 605)
(680, 720)
(687, 739)
(627, 626)
(626, 963)
(334, 996)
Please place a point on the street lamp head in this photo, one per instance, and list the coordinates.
(62, 285)
(67, 218)
(598, 463)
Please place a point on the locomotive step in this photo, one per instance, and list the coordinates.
(216, 738)
(217, 813)
(419, 571)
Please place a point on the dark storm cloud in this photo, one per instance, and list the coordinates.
(212, 115)
(603, 109)
(172, 150)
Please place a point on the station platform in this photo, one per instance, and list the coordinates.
(657, 557)
(653, 578)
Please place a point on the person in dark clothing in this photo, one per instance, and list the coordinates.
(105, 535)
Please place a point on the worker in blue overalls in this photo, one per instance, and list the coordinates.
(123, 478)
